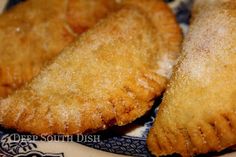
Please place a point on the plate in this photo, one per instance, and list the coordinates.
(129, 140)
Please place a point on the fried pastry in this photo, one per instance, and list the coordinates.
(109, 76)
(35, 31)
(169, 34)
(197, 114)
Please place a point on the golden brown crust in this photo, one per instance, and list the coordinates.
(169, 35)
(197, 114)
(84, 91)
(89, 12)
(107, 77)
(35, 31)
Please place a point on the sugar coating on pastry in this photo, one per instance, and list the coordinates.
(86, 86)
(107, 77)
(35, 31)
(169, 34)
(197, 114)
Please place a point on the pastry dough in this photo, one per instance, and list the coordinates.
(35, 31)
(109, 76)
(197, 114)
(169, 35)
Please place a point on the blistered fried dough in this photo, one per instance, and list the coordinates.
(169, 34)
(35, 31)
(107, 77)
(197, 114)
